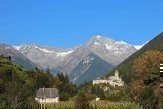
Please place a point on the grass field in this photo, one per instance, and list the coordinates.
(95, 105)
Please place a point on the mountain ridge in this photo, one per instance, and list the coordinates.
(109, 51)
(92, 44)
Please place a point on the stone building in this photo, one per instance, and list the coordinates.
(113, 80)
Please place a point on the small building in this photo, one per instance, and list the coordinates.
(47, 95)
(113, 80)
(161, 85)
(97, 99)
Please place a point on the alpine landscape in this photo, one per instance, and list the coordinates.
(81, 55)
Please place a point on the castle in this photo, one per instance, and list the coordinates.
(113, 80)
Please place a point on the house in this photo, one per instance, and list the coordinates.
(97, 99)
(47, 95)
(113, 80)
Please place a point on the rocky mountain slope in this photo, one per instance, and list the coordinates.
(43, 57)
(91, 67)
(109, 50)
(16, 56)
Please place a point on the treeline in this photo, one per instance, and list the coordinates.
(18, 86)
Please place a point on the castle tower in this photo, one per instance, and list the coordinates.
(116, 74)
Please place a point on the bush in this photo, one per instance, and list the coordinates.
(81, 101)
(63, 96)
(4, 105)
(147, 97)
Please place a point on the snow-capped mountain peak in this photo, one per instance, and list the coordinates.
(106, 48)
(110, 49)
(122, 42)
(98, 36)
(99, 40)
(28, 47)
(17, 47)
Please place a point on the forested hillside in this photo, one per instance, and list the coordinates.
(18, 86)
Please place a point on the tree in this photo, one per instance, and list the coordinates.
(63, 96)
(137, 86)
(147, 76)
(101, 94)
(147, 66)
(48, 70)
(147, 97)
(66, 88)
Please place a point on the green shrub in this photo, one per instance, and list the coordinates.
(81, 101)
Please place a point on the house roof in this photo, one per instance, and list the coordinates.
(47, 93)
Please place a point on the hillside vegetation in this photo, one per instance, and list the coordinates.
(18, 86)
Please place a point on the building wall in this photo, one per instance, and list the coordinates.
(100, 81)
(112, 83)
(48, 100)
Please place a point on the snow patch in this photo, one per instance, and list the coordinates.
(64, 53)
(117, 52)
(108, 47)
(122, 42)
(140, 46)
(88, 60)
(17, 47)
(96, 43)
(44, 50)
(98, 36)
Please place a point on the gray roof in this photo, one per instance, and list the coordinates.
(47, 93)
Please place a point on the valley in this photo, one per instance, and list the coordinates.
(89, 77)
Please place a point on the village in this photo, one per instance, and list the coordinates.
(51, 95)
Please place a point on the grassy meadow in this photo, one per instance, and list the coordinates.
(93, 105)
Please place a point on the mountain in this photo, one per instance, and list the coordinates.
(112, 51)
(16, 56)
(43, 57)
(69, 60)
(126, 67)
(91, 67)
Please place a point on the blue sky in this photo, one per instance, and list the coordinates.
(67, 23)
